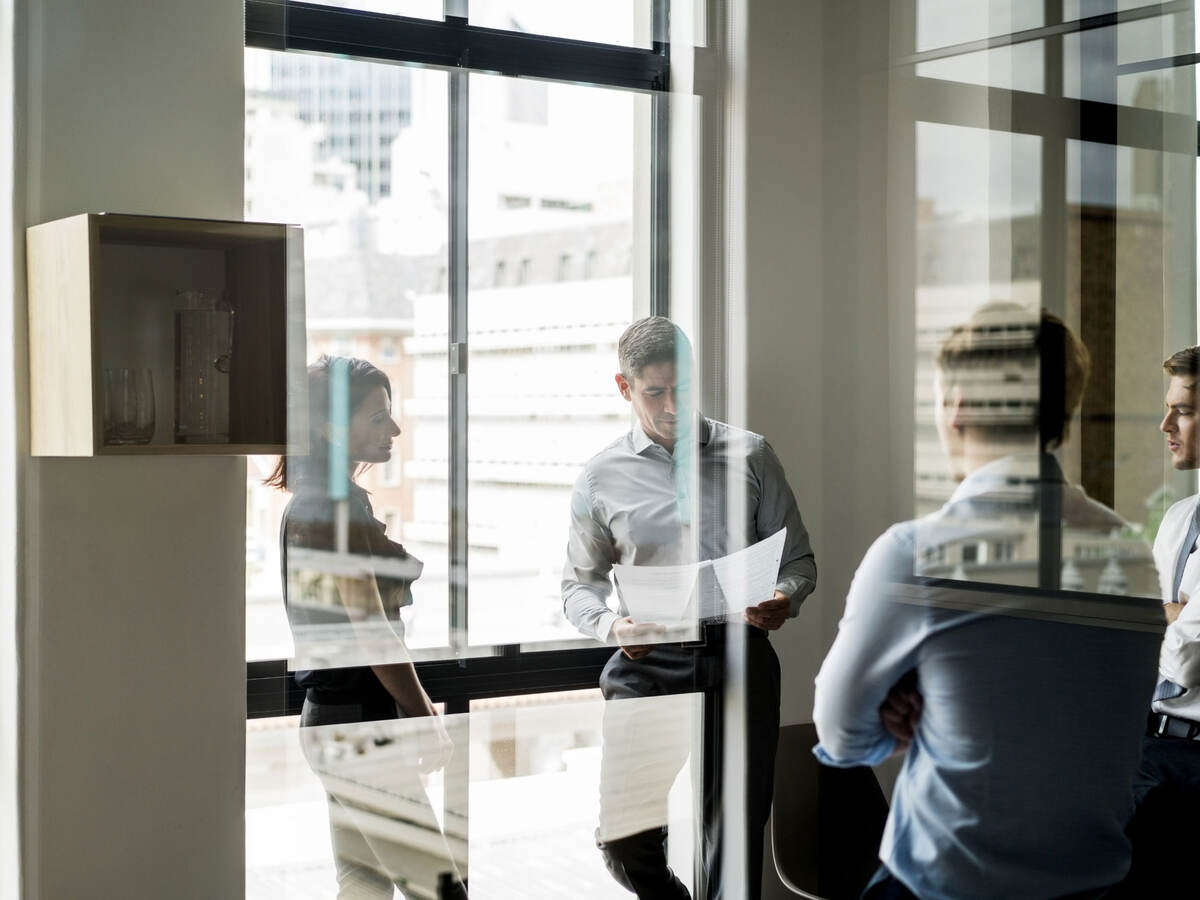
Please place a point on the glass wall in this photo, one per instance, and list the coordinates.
(459, 230)
(485, 235)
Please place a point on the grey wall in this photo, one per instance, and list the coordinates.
(819, 334)
(133, 589)
(11, 244)
(824, 337)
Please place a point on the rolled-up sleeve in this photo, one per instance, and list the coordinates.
(777, 509)
(590, 557)
(876, 645)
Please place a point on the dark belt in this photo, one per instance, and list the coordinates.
(1164, 726)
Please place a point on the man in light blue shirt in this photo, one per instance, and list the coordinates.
(1008, 616)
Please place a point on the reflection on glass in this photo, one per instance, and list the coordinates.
(978, 239)
(989, 399)
(375, 795)
(1091, 60)
(345, 582)
(1081, 9)
(943, 23)
(1120, 244)
(1017, 68)
(552, 217)
(383, 828)
(356, 153)
(648, 742)
(535, 796)
(626, 23)
(414, 9)
(939, 659)
(539, 791)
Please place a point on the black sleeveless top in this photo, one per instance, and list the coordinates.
(312, 601)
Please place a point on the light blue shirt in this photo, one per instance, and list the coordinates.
(1018, 782)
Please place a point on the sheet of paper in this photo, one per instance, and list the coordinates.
(657, 594)
(748, 577)
(661, 594)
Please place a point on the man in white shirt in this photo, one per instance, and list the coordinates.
(1168, 783)
(1178, 566)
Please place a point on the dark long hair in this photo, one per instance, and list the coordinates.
(363, 377)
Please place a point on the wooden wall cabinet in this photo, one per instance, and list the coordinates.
(103, 294)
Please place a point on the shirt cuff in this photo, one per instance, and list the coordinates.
(796, 588)
(882, 749)
(604, 627)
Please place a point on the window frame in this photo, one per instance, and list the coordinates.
(1057, 120)
(462, 49)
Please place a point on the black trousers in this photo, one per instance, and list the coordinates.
(639, 861)
(1167, 791)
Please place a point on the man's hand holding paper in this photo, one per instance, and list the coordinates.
(663, 594)
(770, 614)
(630, 635)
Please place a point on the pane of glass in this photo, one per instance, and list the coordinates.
(413, 9)
(555, 198)
(627, 23)
(355, 152)
(553, 773)
(531, 770)
(1091, 58)
(978, 239)
(392, 807)
(1082, 9)
(943, 23)
(1017, 68)
(1122, 290)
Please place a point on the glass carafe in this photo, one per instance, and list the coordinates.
(203, 351)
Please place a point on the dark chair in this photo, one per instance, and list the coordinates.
(826, 823)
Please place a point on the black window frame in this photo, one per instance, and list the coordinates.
(462, 48)
(1057, 120)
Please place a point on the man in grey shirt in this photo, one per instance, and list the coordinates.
(681, 488)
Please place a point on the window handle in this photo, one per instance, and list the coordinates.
(458, 358)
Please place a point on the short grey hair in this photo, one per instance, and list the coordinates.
(649, 341)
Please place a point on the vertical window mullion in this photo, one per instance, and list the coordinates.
(660, 149)
(459, 87)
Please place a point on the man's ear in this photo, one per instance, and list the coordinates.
(623, 387)
(955, 415)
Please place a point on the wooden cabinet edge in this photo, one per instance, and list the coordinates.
(59, 266)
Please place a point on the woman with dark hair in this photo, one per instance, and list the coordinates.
(345, 582)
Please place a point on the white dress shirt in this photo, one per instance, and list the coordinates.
(1179, 660)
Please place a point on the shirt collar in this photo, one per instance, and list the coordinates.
(641, 442)
(1013, 478)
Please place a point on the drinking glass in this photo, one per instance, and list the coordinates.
(128, 406)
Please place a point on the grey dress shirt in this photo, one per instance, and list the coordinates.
(636, 503)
